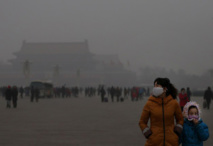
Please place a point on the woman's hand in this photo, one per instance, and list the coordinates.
(178, 130)
(148, 133)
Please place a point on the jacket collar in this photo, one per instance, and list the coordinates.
(159, 100)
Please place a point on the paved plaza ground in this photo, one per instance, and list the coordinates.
(79, 121)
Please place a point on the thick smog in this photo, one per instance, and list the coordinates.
(106, 72)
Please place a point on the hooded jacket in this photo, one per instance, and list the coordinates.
(193, 135)
(162, 113)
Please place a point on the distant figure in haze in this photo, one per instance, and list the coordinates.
(103, 93)
(32, 93)
(147, 92)
(118, 93)
(37, 94)
(125, 93)
(108, 91)
(183, 98)
(134, 95)
(188, 93)
(14, 96)
(112, 93)
(76, 91)
(208, 96)
(8, 95)
(27, 91)
(21, 90)
(141, 93)
(63, 91)
(164, 113)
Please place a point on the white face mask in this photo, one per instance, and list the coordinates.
(157, 91)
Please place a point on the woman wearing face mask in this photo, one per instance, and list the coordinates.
(183, 98)
(162, 109)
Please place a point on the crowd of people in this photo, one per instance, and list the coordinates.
(117, 94)
(113, 93)
(171, 123)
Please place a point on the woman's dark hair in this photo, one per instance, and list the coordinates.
(182, 89)
(165, 82)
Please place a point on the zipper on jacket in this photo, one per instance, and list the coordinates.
(163, 123)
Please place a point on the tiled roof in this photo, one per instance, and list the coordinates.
(54, 48)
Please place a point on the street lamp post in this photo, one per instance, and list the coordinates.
(78, 73)
(56, 72)
(26, 70)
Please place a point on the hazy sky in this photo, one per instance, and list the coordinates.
(175, 34)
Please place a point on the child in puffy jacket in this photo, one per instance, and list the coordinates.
(195, 131)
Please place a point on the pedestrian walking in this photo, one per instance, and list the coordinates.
(112, 93)
(14, 96)
(8, 95)
(21, 90)
(118, 93)
(189, 93)
(183, 98)
(208, 95)
(32, 94)
(164, 113)
(37, 94)
(103, 93)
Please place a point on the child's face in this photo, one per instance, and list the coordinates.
(193, 115)
(193, 111)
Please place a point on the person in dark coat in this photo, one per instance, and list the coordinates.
(8, 95)
(188, 93)
(37, 94)
(21, 90)
(118, 94)
(208, 96)
(32, 93)
(63, 91)
(103, 92)
(112, 93)
(14, 96)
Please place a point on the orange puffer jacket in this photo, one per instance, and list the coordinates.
(161, 123)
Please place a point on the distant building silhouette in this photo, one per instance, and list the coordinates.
(77, 64)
